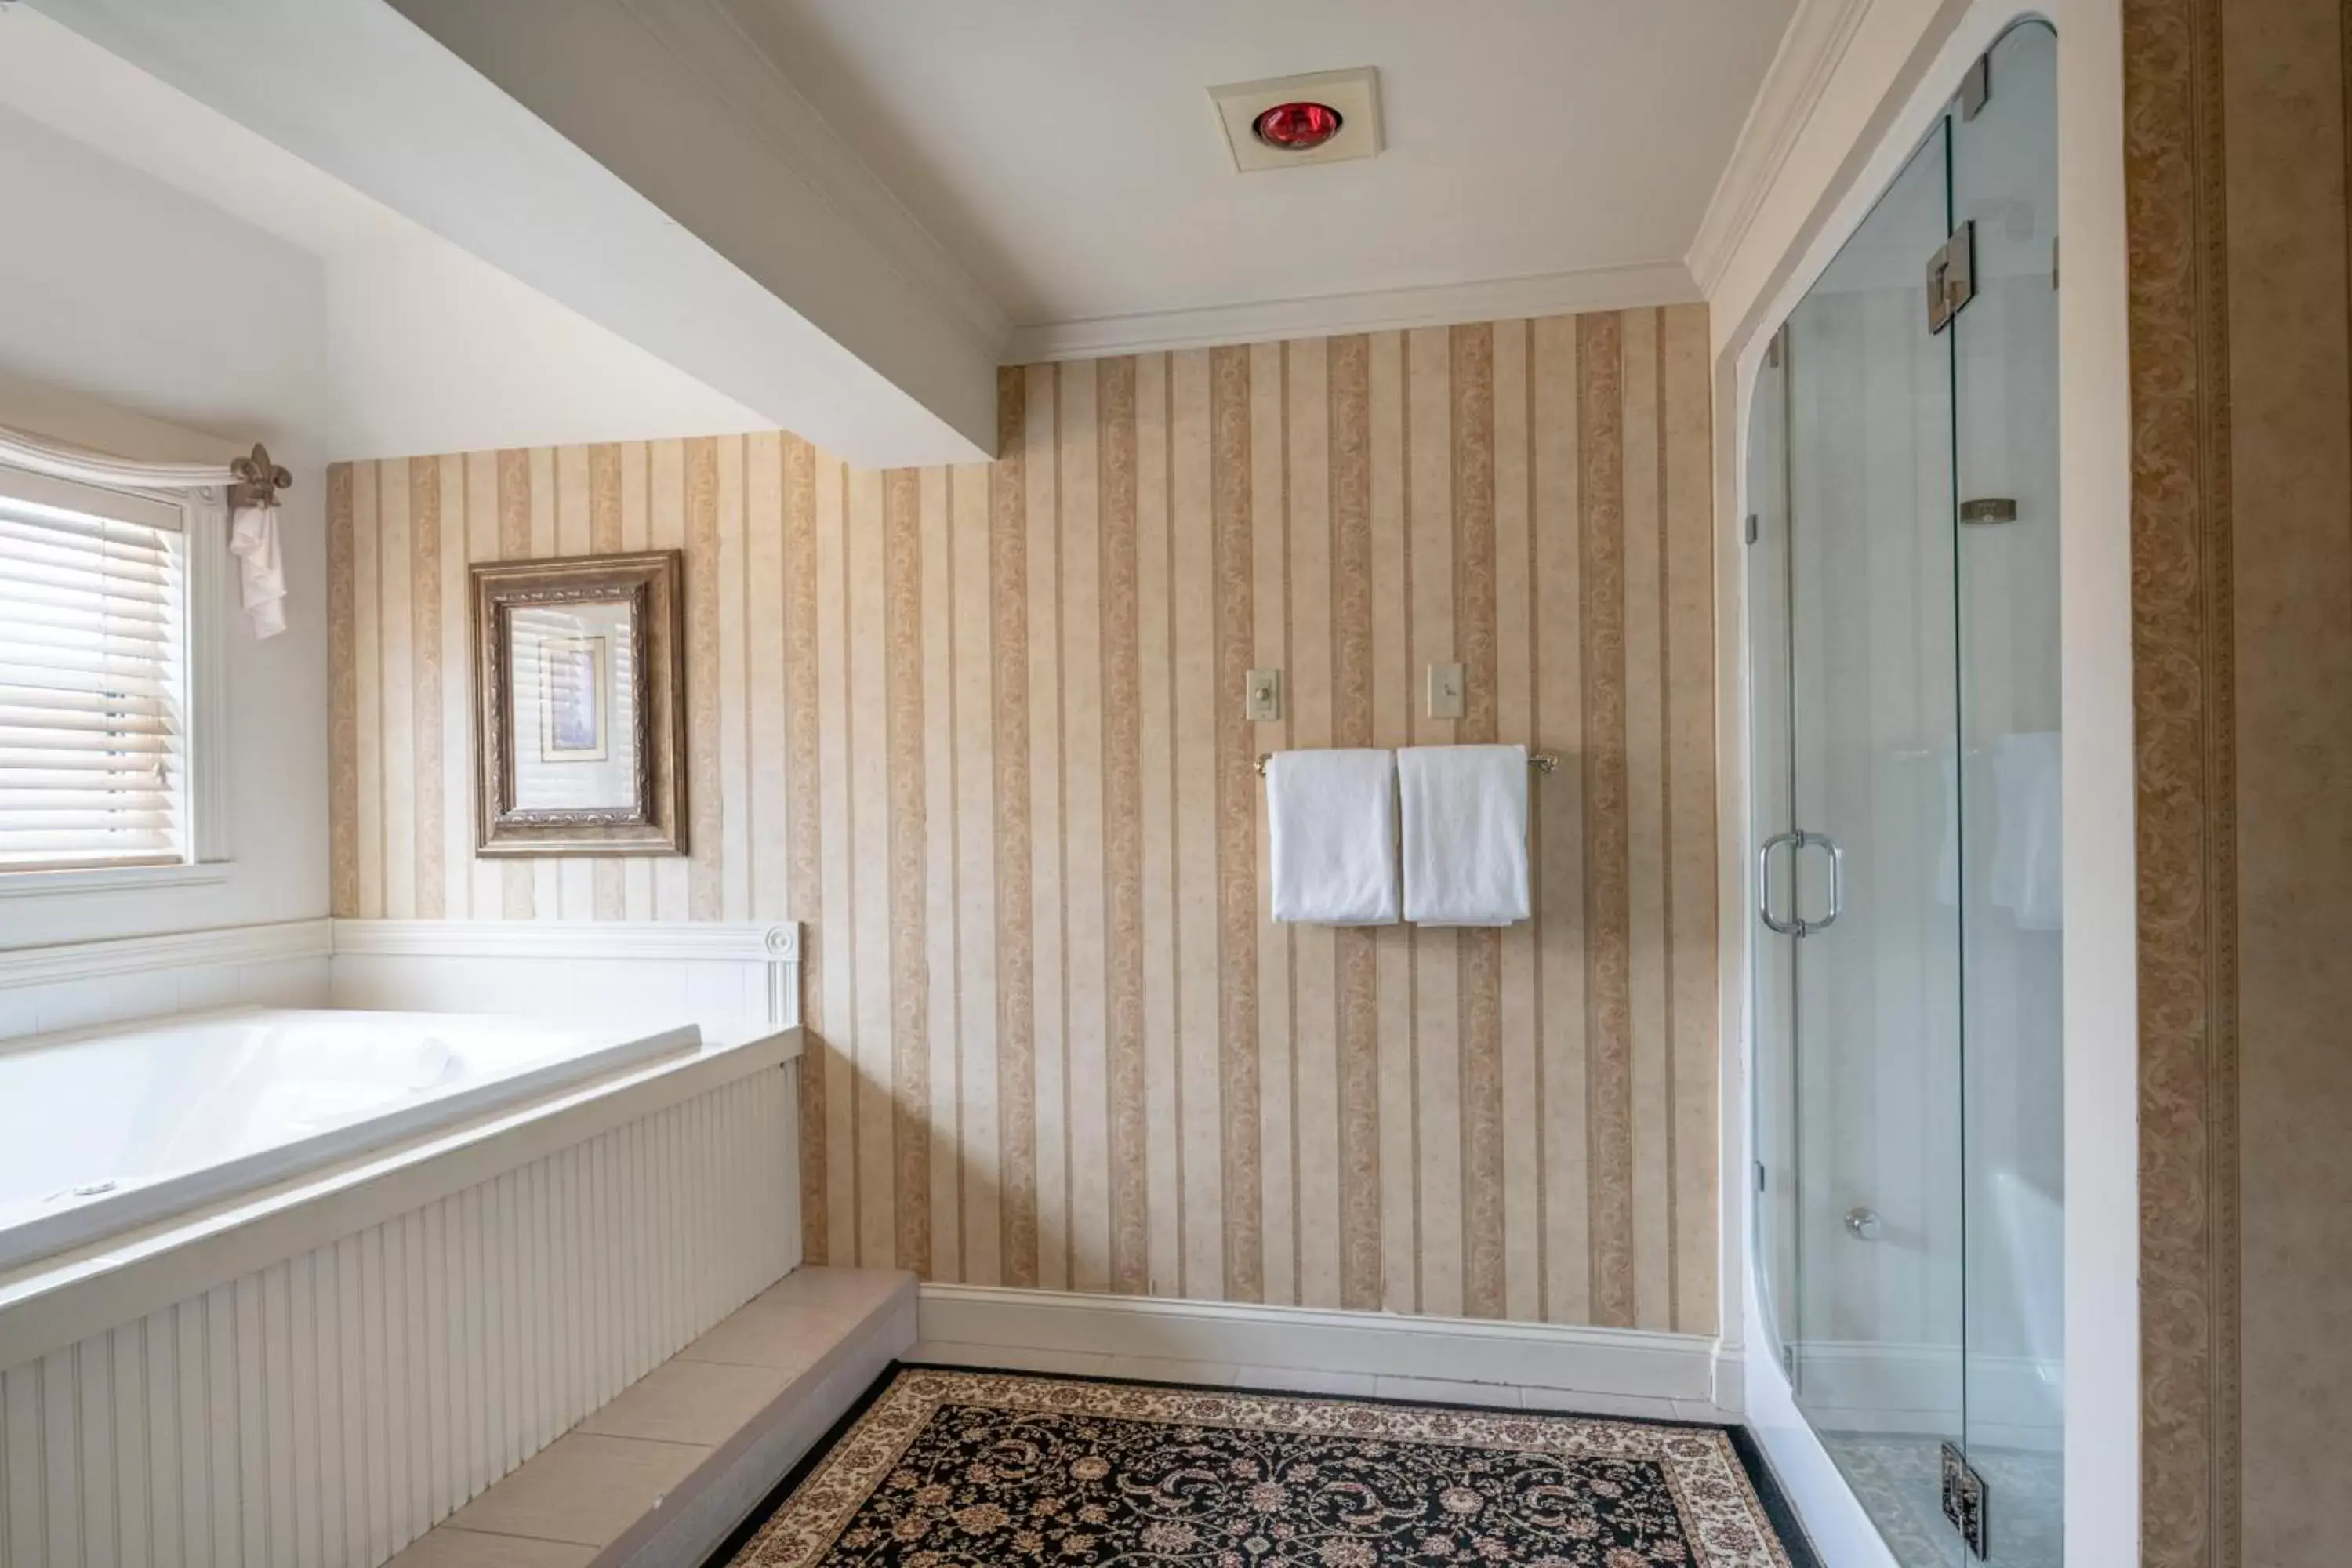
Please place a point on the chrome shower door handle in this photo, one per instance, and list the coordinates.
(1837, 882)
(1764, 884)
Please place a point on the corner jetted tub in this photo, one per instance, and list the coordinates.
(106, 1130)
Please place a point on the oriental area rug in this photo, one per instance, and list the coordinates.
(948, 1468)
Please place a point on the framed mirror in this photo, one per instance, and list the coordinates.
(580, 692)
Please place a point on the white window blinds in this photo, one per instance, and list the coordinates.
(93, 679)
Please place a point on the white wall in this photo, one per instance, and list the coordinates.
(1893, 71)
(141, 320)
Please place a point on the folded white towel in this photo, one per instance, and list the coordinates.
(1466, 834)
(1331, 824)
(253, 540)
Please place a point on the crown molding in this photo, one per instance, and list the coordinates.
(1799, 74)
(1374, 310)
(705, 36)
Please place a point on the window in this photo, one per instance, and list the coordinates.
(94, 647)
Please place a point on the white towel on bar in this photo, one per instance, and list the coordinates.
(1331, 824)
(1466, 834)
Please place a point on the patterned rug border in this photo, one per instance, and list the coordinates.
(1789, 1546)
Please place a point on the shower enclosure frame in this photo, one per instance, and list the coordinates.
(1903, 696)
(1876, 82)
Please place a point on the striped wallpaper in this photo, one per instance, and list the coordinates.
(981, 729)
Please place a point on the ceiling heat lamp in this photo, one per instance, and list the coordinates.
(1297, 127)
(1326, 117)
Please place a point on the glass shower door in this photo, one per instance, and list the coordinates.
(1903, 584)
(1877, 1343)
(2005, 366)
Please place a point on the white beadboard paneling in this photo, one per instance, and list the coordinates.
(732, 979)
(332, 1406)
(82, 984)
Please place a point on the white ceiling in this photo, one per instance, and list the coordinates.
(841, 214)
(1065, 151)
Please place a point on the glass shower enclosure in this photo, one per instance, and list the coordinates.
(1903, 591)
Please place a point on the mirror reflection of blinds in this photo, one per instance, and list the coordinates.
(92, 688)
(544, 780)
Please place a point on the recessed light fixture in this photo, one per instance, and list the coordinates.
(1285, 121)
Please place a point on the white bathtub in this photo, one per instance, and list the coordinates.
(358, 1266)
(105, 1131)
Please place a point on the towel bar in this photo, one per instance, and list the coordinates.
(1542, 762)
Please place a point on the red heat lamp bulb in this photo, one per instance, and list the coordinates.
(1297, 127)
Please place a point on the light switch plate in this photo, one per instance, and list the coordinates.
(1263, 701)
(1445, 693)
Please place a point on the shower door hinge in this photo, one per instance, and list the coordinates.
(1772, 349)
(1751, 528)
(1976, 88)
(1951, 277)
(1759, 1175)
(1964, 1501)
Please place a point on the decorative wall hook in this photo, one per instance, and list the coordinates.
(258, 480)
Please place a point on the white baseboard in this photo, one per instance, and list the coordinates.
(1607, 1371)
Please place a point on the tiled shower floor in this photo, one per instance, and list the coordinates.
(1896, 1475)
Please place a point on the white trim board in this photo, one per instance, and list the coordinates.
(75, 960)
(724, 975)
(1377, 311)
(1609, 1372)
(774, 946)
(735, 941)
